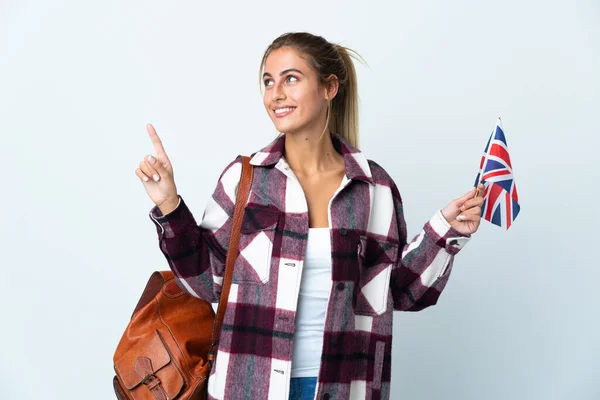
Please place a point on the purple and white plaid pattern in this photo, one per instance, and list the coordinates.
(374, 271)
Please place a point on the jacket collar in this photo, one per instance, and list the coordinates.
(357, 165)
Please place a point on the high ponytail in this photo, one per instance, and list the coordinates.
(328, 58)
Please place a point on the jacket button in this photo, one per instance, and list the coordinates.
(246, 225)
(340, 286)
(326, 396)
(343, 232)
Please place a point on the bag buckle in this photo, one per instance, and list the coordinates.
(147, 378)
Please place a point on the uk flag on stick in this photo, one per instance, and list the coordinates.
(501, 202)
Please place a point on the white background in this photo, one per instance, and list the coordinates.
(79, 81)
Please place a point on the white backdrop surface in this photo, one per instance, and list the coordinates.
(79, 81)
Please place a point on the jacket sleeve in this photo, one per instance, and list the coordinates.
(196, 253)
(424, 265)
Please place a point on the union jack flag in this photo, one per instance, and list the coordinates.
(501, 202)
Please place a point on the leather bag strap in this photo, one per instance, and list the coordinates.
(232, 253)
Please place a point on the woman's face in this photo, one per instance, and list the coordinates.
(293, 97)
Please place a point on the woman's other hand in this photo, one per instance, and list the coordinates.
(156, 174)
(464, 213)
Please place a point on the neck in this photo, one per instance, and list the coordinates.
(308, 154)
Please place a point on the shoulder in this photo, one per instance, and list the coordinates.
(229, 178)
(232, 163)
(232, 172)
(383, 179)
(380, 175)
(232, 168)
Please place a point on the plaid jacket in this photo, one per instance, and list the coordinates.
(374, 271)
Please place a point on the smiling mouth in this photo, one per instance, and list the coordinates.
(282, 112)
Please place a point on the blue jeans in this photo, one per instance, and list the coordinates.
(303, 388)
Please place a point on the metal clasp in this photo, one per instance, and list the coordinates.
(147, 378)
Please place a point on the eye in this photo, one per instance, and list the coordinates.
(267, 81)
(291, 77)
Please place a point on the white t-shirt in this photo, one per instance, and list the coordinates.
(315, 286)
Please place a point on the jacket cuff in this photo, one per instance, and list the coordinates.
(175, 222)
(444, 235)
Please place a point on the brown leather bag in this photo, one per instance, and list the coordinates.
(168, 347)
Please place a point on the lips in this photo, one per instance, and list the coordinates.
(283, 111)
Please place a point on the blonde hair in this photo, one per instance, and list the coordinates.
(327, 58)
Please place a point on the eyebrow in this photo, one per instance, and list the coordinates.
(284, 72)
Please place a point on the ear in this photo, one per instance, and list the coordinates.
(332, 85)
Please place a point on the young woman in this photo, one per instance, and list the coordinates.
(324, 256)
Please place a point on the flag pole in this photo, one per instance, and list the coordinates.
(486, 158)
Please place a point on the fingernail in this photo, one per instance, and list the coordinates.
(145, 178)
(155, 177)
(462, 208)
(151, 159)
(460, 217)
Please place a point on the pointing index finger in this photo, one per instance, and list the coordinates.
(158, 147)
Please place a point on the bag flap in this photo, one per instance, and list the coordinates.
(150, 348)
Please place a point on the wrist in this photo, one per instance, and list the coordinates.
(168, 206)
(443, 218)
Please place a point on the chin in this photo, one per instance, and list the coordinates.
(286, 128)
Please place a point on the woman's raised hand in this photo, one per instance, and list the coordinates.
(156, 174)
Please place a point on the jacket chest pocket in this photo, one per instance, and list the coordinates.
(375, 261)
(253, 264)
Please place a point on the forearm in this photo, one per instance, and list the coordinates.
(424, 265)
(186, 248)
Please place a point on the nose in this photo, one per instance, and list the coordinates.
(278, 93)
